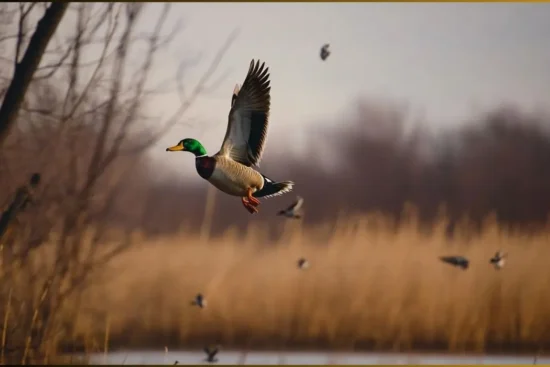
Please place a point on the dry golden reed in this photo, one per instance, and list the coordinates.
(368, 286)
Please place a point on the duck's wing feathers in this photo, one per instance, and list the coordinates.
(246, 133)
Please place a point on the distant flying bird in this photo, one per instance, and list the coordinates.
(211, 354)
(199, 301)
(458, 261)
(294, 210)
(325, 51)
(498, 260)
(303, 263)
(231, 169)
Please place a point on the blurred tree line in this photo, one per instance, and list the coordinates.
(496, 163)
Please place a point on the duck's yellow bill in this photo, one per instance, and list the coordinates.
(176, 148)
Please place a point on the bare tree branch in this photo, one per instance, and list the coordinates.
(85, 111)
(137, 98)
(197, 91)
(25, 69)
(133, 10)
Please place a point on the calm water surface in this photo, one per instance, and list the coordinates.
(267, 358)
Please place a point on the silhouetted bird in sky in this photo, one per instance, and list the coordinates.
(498, 260)
(294, 210)
(325, 51)
(303, 263)
(199, 301)
(211, 354)
(459, 261)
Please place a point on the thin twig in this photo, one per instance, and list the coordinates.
(5, 328)
(106, 339)
(33, 322)
(197, 91)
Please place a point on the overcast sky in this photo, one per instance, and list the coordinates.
(446, 59)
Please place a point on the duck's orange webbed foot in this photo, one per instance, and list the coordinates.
(250, 202)
(248, 206)
(252, 199)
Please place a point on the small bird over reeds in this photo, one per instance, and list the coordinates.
(498, 260)
(294, 211)
(303, 263)
(199, 301)
(458, 261)
(211, 354)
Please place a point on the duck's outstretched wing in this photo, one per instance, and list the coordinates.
(246, 133)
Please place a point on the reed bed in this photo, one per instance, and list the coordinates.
(370, 286)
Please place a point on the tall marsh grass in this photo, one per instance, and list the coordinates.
(370, 286)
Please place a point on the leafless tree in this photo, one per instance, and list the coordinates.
(83, 124)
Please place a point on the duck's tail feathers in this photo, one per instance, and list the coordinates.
(272, 188)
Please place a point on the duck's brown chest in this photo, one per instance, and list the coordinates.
(205, 166)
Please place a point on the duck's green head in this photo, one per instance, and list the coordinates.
(188, 145)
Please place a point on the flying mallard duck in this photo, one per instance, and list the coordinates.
(325, 51)
(303, 263)
(211, 354)
(293, 211)
(459, 261)
(498, 260)
(199, 301)
(230, 170)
